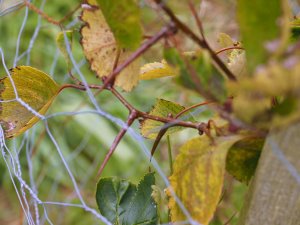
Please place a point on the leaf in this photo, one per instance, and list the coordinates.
(225, 41)
(7, 6)
(236, 57)
(198, 177)
(237, 63)
(242, 158)
(35, 88)
(142, 209)
(162, 108)
(102, 51)
(198, 73)
(113, 197)
(252, 95)
(259, 24)
(295, 30)
(123, 17)
(61, 43)
(121, 202)
(156, 70)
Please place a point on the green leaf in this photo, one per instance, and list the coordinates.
(113, 197)
(259, 24)
(198, 73)
(242, 158)
(34, 88)
(142, 209)
(123, 17)
(198, 177)
(295, 30)
(162, 108)
(61, 43)
(121, 202)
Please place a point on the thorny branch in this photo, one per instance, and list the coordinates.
(165, 31)
(134, 113)
(201, 42)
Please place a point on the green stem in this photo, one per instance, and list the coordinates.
(171, 168)
(170, 154)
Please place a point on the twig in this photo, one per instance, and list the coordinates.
(198, 21)
(170, 154)
(150, 42)
(192, 107)
(41, 13)
(135, 114)
(47, 17)
(122, 99)
(195, 38)
(174, 122)
(131, 118)
(231, 218)
(159, 136)
(228, 48)
(163, 131)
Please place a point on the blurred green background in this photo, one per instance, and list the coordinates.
(85, 138)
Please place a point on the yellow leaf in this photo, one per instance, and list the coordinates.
(34, 88)
(101, 49)
(252, 95)
(156, 70)
(225, 41)
(237, 63)
(198, 177)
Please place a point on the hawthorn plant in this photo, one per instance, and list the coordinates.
(253, 90)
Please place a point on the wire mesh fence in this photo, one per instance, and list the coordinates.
(52, 167)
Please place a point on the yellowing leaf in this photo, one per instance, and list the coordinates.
(242, 158)
(252, 95)
(101, 49)
(225, 41)
(156, 70)
(162, 108)
(35, 88)
(198, 177)
(237, 63)
(236, 57)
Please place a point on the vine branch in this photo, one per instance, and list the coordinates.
(201, 42)
(165, 31)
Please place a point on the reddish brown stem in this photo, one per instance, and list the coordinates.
(41, 13)
(192, 107)
(131, 118)
(198, 21)
(121, 99)
(195, 38)
(157, 140)
(174, 122)
(228, 48)
(163, 32)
